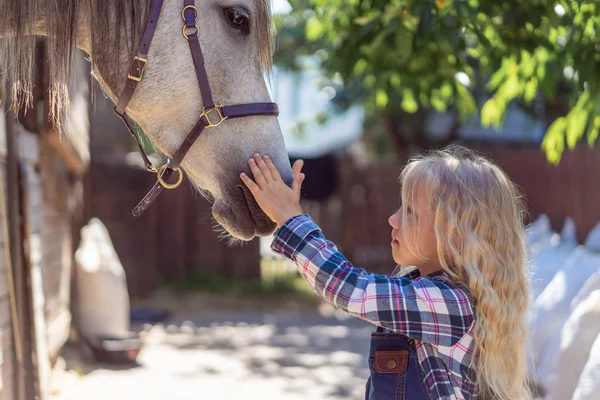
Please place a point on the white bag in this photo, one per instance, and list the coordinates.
(551, 308)
(567, 353)
(588, 386)
(102, 296)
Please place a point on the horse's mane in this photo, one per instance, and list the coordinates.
(20, 19)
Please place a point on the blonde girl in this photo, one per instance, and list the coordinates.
(450, 323)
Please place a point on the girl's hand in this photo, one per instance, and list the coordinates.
(276, 199)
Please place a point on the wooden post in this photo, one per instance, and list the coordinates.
(25, 378)
(34, 304)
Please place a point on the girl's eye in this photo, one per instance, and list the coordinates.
(238, 18)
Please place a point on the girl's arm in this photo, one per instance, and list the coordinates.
(428, 310)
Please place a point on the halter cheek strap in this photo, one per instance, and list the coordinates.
(211, 116)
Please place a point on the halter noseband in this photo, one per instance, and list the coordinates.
(211, 116)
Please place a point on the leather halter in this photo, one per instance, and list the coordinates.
(211, 116)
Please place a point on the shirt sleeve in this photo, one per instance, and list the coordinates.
(428, 310)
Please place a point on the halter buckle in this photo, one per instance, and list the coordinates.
(133, 69)
(206, 114)
(164, 184)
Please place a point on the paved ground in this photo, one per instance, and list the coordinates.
(226, 348)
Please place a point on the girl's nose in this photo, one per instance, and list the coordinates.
(394, 220)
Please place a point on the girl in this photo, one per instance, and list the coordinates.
(451, 328)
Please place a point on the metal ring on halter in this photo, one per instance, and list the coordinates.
(214, 109)
(185, 35)
(190, 8)
(165, 184)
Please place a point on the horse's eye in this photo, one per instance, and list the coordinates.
(238, 18)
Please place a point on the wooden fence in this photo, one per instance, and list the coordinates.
(356, 217)
(175, 237)
(571, 189)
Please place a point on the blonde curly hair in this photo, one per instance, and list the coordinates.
(478, 223)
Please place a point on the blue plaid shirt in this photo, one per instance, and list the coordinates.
(436, 313)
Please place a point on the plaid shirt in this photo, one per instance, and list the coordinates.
(436, 313)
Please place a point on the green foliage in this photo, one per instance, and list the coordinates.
(275, 281)
(293, 285)
(432, 54)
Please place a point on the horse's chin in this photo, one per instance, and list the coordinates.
(241, 217)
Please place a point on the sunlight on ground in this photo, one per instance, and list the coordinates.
(270, 352)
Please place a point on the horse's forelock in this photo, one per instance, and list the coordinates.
(265, 33)
(59, 20)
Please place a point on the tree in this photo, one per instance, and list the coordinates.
(431, 55)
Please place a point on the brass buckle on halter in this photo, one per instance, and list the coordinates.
(214, 109)
(164, 184)
(141, 71)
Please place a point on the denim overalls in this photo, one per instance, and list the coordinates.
(394, 368)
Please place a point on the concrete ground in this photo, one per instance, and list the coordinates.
(217, 347)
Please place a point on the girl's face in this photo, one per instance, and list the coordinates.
(420, 228)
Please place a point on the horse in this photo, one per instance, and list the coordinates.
(235, 38)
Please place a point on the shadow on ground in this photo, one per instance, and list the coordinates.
(239, 349)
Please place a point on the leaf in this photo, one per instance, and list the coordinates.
(547, 84)
(541, 55)
(314, 29)
(554, 140)
(381, 99)
(593, 131)
(498, 77)
(527, 65)
(377, 43)
(391, 12)
(409, 104)
(446, 91)
(530, 90)
(492, 112)
(541, 71)
(582, 101)
(360, 66)
(411, 22)
(489, 112)
(576, 123)
(437, 102)
(465, 102)
(511, 88)
(365, 19)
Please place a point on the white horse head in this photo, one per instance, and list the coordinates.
(235, 37)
